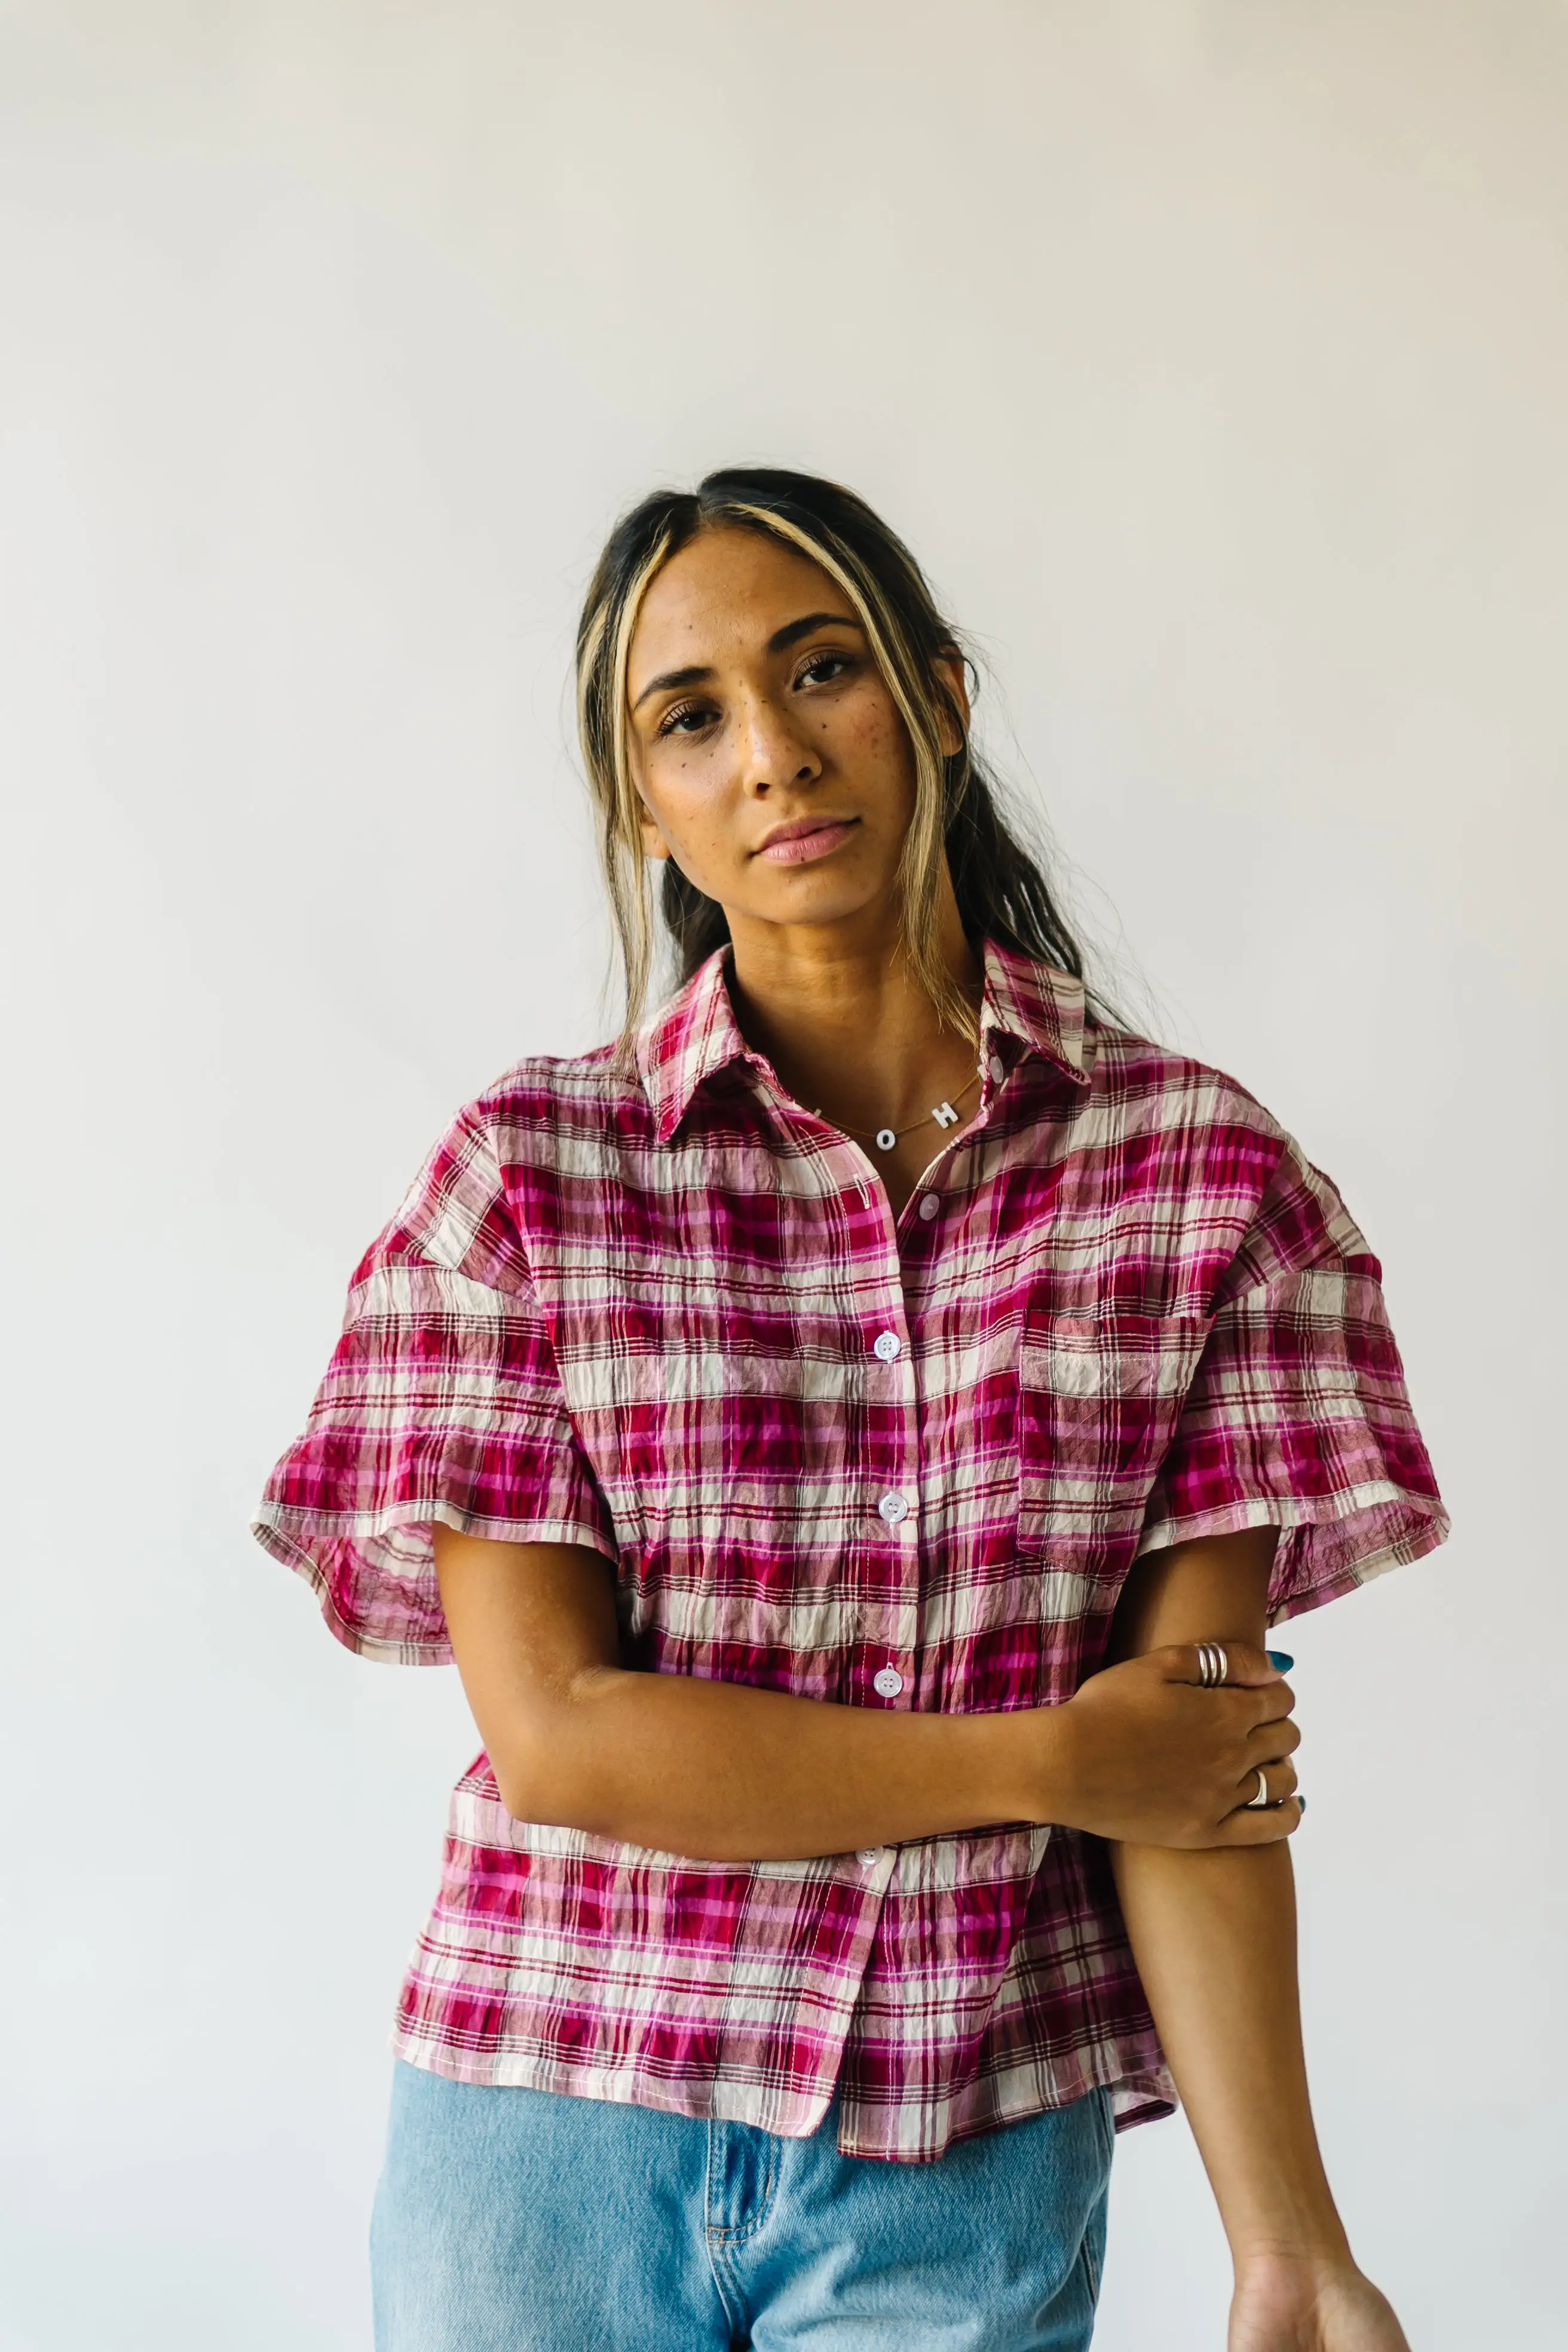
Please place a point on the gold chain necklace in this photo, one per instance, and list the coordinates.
(885, 1138)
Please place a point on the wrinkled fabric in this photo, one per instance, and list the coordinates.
(666, 1313)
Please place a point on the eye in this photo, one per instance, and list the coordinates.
(685, 719)
(822, 669)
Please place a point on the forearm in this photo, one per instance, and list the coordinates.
(1214, 1935)
(753, 1775)
(713, 1770)
(727, 1773)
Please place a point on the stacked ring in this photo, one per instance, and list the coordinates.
(1213, 1666)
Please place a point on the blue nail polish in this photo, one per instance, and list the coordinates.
(1282, 1659)
(1301, 1804)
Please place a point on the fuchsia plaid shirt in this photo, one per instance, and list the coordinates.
(667, 1315)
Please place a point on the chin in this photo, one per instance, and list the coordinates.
(825, 898)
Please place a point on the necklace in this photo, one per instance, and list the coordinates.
(886, 1137)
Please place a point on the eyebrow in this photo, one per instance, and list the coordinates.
(779, 643)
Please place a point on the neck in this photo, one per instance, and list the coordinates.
(843, 1019)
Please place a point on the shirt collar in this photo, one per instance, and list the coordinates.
(1041, 1005)
(696, 1034)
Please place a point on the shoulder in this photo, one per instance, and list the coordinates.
(495, 1177)
(550, 1102)
(1184, 1131)
(1140, 1087)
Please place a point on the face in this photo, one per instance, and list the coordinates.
(770, 755)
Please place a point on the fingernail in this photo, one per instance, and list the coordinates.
(1301, 1804)
(1280, 1660)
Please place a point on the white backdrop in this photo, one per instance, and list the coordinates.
(1213, 353)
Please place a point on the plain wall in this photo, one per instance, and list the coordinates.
(1214, 358)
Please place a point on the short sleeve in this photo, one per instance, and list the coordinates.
(1297, 1416)
(442, 1404)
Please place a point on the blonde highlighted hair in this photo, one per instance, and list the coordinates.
(1002, 893)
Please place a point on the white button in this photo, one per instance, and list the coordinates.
(887, 1682)
(886, 1346)
(894, 1507)
(870, 1856)
(929, 1206)
(998, 1069)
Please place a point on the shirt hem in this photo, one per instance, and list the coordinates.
(1141, 2094)
(712, 2102)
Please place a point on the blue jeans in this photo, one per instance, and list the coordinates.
(516, 2220)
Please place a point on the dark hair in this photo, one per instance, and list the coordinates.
(1002, 892)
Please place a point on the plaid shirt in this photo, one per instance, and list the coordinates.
(668, 1316)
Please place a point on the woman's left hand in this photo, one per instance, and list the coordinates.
(1282, 2305)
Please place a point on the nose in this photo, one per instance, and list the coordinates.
(773, 751)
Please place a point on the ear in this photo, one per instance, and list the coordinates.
(654, 844)
(952, 673)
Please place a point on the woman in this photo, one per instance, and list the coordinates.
(852, 1437)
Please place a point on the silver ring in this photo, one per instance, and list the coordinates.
(1263, 1797)
(1213, 1666)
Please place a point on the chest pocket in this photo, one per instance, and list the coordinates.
(1099, 1400)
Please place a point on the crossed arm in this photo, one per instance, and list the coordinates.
(1140, 1756)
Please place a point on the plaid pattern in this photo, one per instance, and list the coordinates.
(641, 1312)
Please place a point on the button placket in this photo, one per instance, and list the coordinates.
(898, 1617)
(886, 1616)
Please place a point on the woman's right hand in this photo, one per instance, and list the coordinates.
(1144, 1754)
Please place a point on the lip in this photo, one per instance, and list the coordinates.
(806, 839)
